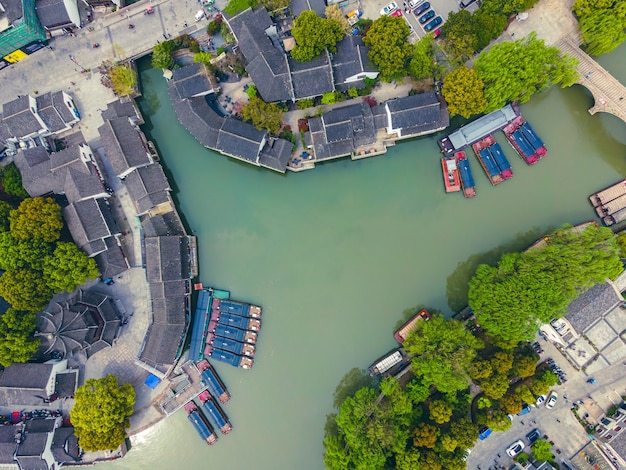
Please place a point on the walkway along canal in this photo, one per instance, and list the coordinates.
(335, 255)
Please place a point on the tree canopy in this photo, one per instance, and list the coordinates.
(25, 289)
(332, 12)
(36, 217)
(464, 92)
(527, 289)
(263, 115)
(16, 337)
(162, 55)
(443, 351)
(102, 413)
(541, 451)
(314, 35)
(389, 48)
(12, 181)
(68, 267)
(516, 70)
(422, 64)
(602, 24)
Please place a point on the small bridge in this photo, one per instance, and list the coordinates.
(609, 94)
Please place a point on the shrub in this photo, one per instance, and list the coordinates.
(305, 103)
(123, 80)
(252, 91)
(12, 181)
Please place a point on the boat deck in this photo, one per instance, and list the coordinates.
(611, 207)
(481, 150)
(214, 382)
(608, 194)
(467, 179)
(194, 387)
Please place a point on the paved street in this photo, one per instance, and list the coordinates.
(559, 424)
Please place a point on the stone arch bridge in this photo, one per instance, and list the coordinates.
(608, 93)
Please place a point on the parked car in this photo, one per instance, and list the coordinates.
(515, 448)
(436, 33)
(427, 16)
(389, 8)
(525, 410)
(397, 13)
(433, 24)
(466, 3)
(540, 399)
(484, 433)
(533, 435)
(421, 9)
(552, 400)
(414, 3)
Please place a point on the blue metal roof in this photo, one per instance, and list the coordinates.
(215, 414)
(466, 174)
(498, 155)
(533, 138)
(215, 387)
(200, 321)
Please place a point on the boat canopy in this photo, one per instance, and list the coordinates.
(476, 130)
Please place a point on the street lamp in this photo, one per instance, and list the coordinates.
(76, 62)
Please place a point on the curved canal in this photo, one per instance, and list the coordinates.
(335, 254)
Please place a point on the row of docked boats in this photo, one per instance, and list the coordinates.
(610, 203)
(206, 415)
(232, 332)
(457, 173)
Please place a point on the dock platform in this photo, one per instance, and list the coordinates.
(190, 386)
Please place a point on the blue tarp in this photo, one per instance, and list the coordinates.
(226, 357)
(198, 423)
(229, 332)
(233, 320)
(200, 321)
(522, 143)
(489, 163)
(215, 387)
(466, 174)
(499, 157)
(228, 345)
(533, 138)
(152, 381)
(215, 413)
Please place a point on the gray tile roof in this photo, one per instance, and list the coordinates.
(52, 13)
(161, 346)
(8, 444)
(197, 117)
(33, 445)
(240, 139)
(121, 108)
(5, 135)
(123, 145)
(275, 154)
(32, 463)
(45, 425)
(298, 6)
(112, 261)
(32, 376)
(350, 59)
(191, 80)
(13, 9)
(166, 258)
(312, 78)
(163, 224)
(48, 113)
(592, 305)
(58, 101)
(18, 117)
(65, 383)
(87, 223)
(169, 310)
(148, 187)
(160, 290)
(412, 113)
(65, 445)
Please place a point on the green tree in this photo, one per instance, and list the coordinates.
(305, 103)
(602, 31)
(25, 289)
(275, 5)
(524, 366)
(18, 254)
(495, 386)
(12, 181)
(68, 267)
(483, 402)
(548, 377)
(263, 115)
(214, 27)
(511, 403)
(389, 48)
(460, 39)
(502, 362)
(539, 387)
(329, 97)
(621, 243)
(314, 35)
(422, 64)
(464, 92)
(516, 70)
(448, 443)
(36, 218)
(487, 26)
(539, 284)
(5, 210)
(123, 80)
(101, 413)
(162, 55)
(408, 460)
(16, 337)
(498, 421)
(443, 351)
(480, 370)
(440, 412)
(252, 91)
(425, 435)
(464, 432)
(525, 394)
(417, 391)
(332, 12)
(541, 451)
(235, 6)
(430, 460)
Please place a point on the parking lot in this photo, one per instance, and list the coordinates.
(372, 8)
(559, 424)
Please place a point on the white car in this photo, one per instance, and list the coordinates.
(414, 3)
(393, 6)
(551, 400)
(515, 448)
(540, 399)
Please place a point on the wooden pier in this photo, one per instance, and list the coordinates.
(186, 387)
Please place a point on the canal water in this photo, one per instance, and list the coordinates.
(336, 254)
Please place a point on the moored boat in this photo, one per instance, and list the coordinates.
(199, 422)
(481, 149)
(410, 326)
(242, 323)
(524, 140)
(243, 336)
(451, 179)
(467, 179)
(385, 363)
(611, 207)
(213, 381)
(619, 216)
(216, 414)
(501, 160)
(238, 308)
(608, 194)
(227, 357)
(230, 345)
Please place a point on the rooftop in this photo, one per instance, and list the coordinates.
(592, 305)
(192, 80)
(148, 187)
(52, 13)
(123, 145)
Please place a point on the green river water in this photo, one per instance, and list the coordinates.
(335, 254)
